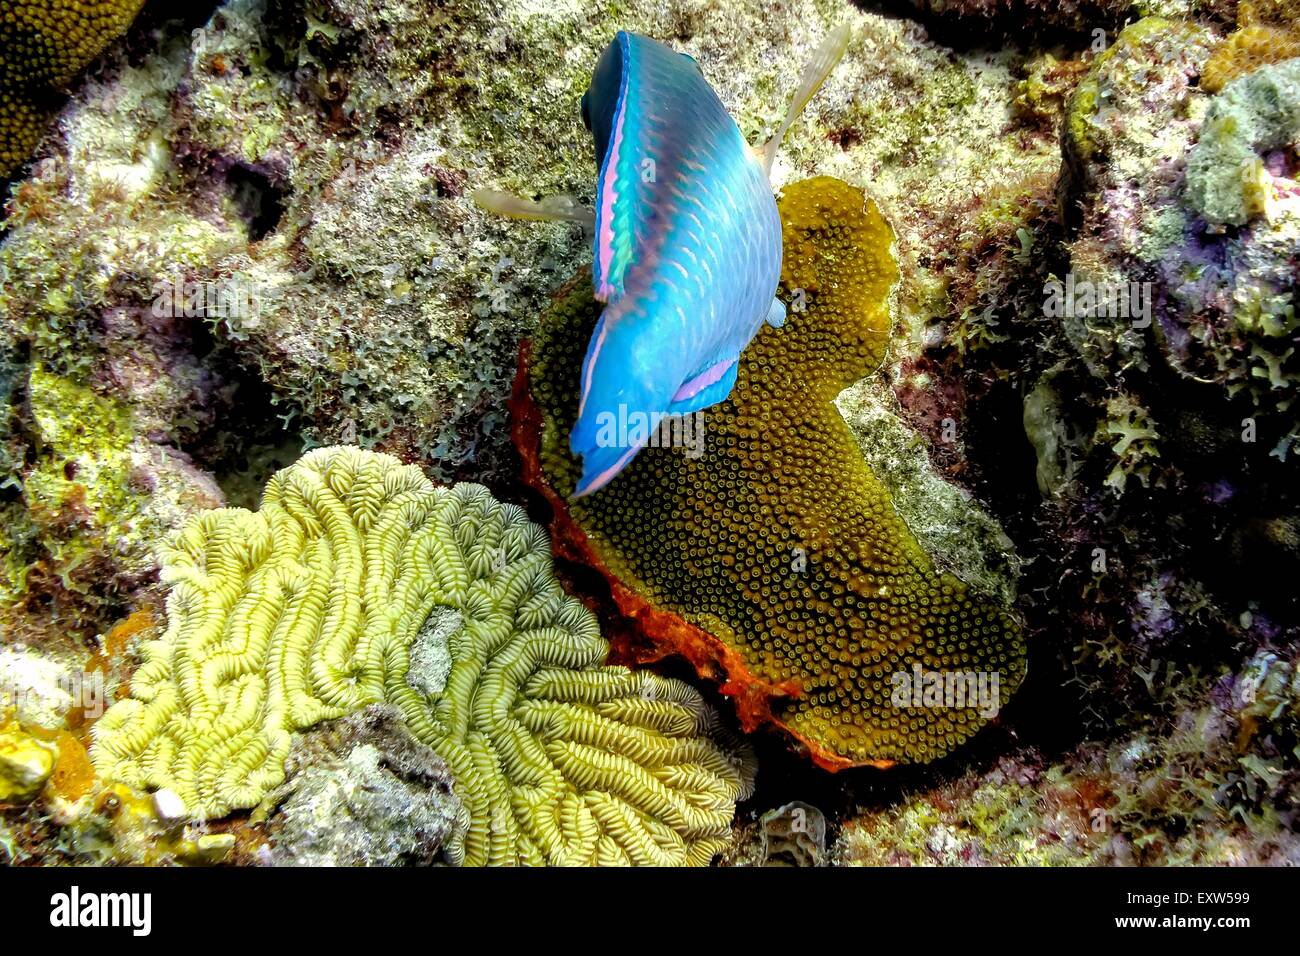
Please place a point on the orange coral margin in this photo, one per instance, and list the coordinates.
(661, 633)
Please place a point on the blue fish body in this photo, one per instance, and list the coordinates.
(687, 250)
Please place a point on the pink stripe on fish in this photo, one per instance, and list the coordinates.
(604, 477)
(591, 366)
(605, 248)
(702, 381)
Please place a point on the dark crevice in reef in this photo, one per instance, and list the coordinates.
(1238, 531)
(1003, 473)
(219, 185)
(962, 28)
(1199, 537)
(1002, 469)
(288, 22)
(251, 439)
(1006, 461)
(245, 471)
(190, 15)
(235, 431)
(257, 193)
(257, 197)
(785, 775)
(16, 447)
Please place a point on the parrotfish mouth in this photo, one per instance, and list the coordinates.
(620, 436)
(607, 435)
(601, 465)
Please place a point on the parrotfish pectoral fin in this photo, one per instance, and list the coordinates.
(551, 209)
(814, 75)
(776, 314)
(707, 388)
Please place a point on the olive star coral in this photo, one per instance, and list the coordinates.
(1257, 42)
(43, 45)
(360, 582)
(774, 560)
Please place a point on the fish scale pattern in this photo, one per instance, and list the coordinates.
(687, 249)
(704, 187)
(307, 610)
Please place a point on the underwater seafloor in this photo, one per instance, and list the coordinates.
(241, 268)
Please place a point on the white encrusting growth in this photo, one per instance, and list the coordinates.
(559, 208)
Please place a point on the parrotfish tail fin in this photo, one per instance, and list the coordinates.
(551, 209)
(814, 75)
(631, 83)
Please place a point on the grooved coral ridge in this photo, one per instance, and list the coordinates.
(774, 561)
(308, 609)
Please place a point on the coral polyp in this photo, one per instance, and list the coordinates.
(42, 47)
(359, 582)
(768, 553)
(1268, 32)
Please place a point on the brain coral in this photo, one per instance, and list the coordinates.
(359, 582)
(43, 45)
(775, 559)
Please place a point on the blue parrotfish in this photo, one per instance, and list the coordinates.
(686, 242)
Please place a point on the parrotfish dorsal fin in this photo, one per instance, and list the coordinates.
(552, 209)
(612, 108)
(814, 75)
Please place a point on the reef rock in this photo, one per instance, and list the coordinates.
(363, 792)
